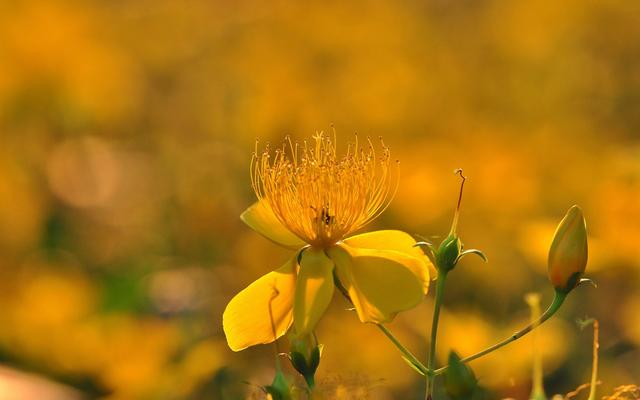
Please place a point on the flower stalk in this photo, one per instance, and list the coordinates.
(446, 257)
(431, 357)
(406, 353)
(558, 300)
(594, 371)
(537, 389)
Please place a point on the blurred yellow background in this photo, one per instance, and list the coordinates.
(126, 131)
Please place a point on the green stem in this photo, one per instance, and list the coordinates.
(403, 349)
(431, 357)
(553, 308)
(386, 331)
(537, 389)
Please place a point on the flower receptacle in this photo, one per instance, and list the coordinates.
(305, 357)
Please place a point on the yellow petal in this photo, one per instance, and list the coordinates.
(262, 307)
(397, 241)
(314, 290)
(261, 219)
(381, 283)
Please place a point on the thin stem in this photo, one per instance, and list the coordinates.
(594, 371)
(553, 308)
(431, 357)
(386, 331)
(537, 390)
(403, 349)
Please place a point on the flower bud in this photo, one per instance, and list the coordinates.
(448, 253)
(568, 252)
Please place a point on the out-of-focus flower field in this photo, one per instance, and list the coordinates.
(126, 132)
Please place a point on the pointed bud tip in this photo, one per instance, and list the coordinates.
(575, 211)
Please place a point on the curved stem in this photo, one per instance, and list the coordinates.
(410, 357)
(431, 357)
(553, 308)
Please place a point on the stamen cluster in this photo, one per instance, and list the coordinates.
(319, 196)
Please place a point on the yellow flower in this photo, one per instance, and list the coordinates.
(311, 200)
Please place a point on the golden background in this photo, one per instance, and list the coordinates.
(126, 131)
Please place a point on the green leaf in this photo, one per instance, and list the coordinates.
(459, 380)
(314, 360)
(279, 389)
(477, 252)
(298, 362)
(428, 249)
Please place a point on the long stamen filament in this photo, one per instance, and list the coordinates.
(319, 196)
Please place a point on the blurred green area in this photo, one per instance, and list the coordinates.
(126, 130)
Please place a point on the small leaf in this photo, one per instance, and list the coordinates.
(314, 360)
(413, 365)
(279, 388)
(428, 245)
(299, 363)
(477, 252)
(459, 380)
(587, 280)
(428, 249)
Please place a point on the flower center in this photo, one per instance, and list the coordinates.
(319, 196)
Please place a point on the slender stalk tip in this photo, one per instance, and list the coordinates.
(456, 215)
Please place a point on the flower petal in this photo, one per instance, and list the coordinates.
(314, 290)
(397, 241)
(381, 283)
(261, 219)
(267, 304)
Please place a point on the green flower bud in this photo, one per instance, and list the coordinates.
(448, 253)
(568, 252)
